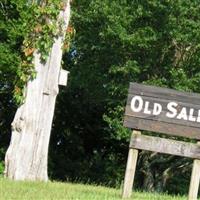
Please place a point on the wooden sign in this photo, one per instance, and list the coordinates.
(163, 110)
(166, 111)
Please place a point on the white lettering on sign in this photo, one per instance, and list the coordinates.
(146, 108)
(198, 118)
(191, 117)
(172, 110)
(157, 109)
(136, 103)
(182, 114)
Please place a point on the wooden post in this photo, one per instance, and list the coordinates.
(195, 178)
(130, 170)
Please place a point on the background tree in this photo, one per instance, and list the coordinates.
(117, 42)
(11, 37)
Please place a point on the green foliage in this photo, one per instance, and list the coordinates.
(117, 42)
(1, 161)
(28, 33)
(1, 169)
(10, 41)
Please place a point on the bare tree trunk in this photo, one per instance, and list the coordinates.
(27, 155)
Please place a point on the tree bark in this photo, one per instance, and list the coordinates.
(27, 155)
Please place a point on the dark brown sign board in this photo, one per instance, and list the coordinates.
(163, 110)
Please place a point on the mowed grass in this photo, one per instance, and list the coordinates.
(67, 191)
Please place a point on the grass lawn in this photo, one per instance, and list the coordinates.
(67, 191)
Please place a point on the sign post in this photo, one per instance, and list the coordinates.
(195, 178)
(130, 169)
(165, 111)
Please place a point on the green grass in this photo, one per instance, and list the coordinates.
(67, 191)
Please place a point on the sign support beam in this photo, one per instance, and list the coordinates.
(195, 179)
(130, 169)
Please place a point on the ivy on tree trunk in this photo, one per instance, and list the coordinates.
(27, 155)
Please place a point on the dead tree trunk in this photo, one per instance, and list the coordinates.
(27, 155)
